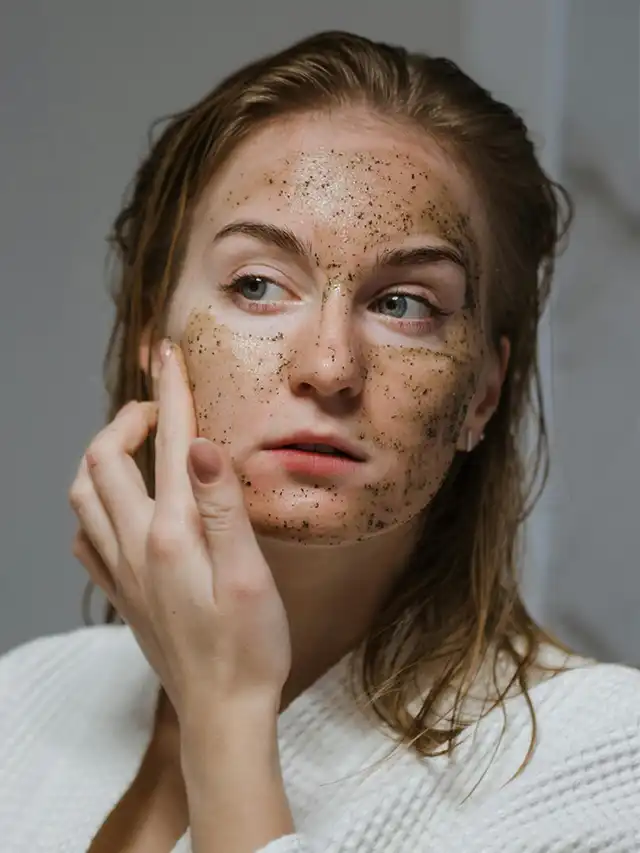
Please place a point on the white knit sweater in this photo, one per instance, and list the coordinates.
(76, 716)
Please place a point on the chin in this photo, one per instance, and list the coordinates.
(314, 517)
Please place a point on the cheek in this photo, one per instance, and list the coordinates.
(432, 410)
(233, 376)
(420, 399)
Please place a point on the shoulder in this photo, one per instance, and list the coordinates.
(570, 695)
(43, 648)
(67, 663)
(563, 685)
(78, 643)
(588, 735)
(597, 694)
(585, 708)
(579, 789)
(581, 720)
(70, 700)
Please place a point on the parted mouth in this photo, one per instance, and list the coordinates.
(316, 448)
(314, 443)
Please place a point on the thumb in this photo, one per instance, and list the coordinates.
(218, 495)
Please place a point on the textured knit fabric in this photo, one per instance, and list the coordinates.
(76, 716)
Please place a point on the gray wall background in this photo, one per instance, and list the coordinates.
(80, 82)
(593, 582)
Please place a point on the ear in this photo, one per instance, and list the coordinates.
(146, 349)
(487, 396)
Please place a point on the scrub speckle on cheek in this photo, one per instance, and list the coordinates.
(412, 396)
(426, 395)
(228, 370)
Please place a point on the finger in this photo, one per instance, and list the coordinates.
(131, 412)
(176, 430)
(86, 553)
(92, 516)
(115, 475)
(128, 408)
(219, 499)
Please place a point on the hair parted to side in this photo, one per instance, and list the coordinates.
(457, 604)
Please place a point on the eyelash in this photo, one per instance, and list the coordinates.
(437, 314)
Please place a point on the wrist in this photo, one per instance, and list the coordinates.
(233, 778)
(214, 733)
(203, 706)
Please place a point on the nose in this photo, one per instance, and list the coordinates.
(327, 360)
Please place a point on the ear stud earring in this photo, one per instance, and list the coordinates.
(470, 444)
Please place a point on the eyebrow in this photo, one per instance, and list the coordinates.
(419, 257)
(286, 240)
(271, 235)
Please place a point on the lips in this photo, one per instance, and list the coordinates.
(329, 445)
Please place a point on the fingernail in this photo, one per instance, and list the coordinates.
(166, 351)
(205, 460)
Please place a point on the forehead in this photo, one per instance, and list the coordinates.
(346, 178)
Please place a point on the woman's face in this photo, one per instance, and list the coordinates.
(330, 291)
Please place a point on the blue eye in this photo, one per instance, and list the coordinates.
(252, 287)
(398, 304)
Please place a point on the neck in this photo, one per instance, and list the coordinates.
(331, 595)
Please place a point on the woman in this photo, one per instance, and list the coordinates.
(331, 272)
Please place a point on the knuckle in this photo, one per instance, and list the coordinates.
(79, 494)
(217, 518)
(165, 541)
(246, 589)
(99, 451)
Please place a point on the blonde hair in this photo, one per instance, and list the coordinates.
(457, 604)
